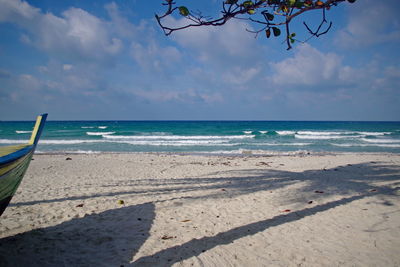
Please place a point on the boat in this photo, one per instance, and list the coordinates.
(14, 161)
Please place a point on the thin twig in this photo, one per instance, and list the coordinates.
(237, 11)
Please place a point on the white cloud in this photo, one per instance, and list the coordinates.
(77, 43)
(217, 45)
(308, 66)
(185, 96)
(225, 58)
(25, 39)
(311, 78)
(67, 67)
(29, 81)
(76, 33)
(311, 69)
(121, 24)
(152, 56)
(392, 71)
(17, 11)
(348, 73)
(371, 22)
(238, 75)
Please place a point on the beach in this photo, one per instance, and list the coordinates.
(170, 209)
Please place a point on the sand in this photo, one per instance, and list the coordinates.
(193, 210)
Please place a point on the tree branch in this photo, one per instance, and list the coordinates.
(285, 10)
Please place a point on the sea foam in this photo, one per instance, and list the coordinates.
(380, 140)
(176, 137)
(99, 133)
(323, 137)
(285, 132)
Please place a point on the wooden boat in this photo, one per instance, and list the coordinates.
(14, 161)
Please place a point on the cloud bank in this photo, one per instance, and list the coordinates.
(108, 65)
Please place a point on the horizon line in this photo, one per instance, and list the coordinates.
(200, 120)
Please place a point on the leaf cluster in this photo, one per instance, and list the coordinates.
(269, 16)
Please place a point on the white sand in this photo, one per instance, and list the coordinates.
(205, 211)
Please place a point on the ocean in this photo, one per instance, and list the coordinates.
(211, 137)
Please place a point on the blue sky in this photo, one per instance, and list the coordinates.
(109, 60)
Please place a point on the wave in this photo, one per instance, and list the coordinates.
(67, 142)
(279, 144)
(265, 134)
(99, 133)
(69, 152)
(176, 143)
(10, 141)
(247, 132)
(374, 133)
(327, 133)
(87, 127)
(177, 137)
(380, 140)
(50, 142)
(333, 133)
(318, 133)
(153, 133)
(323, 137)
(292, 144)
(23, 132)
(102, 127)
(286, 132)
(130, 142)
(161, 133)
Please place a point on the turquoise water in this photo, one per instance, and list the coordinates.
(230, 137)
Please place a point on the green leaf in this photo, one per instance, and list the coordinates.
(251, 11)
(291, 2)
(293, 34)
(276, 31)
(299, 4)
(248, 3)
(292, 40)
(183, 11)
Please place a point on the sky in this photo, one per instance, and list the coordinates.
(109, 60)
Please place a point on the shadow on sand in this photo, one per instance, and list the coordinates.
(109, 238)
(358, 181)
(195, 247)
(116, 242)
(348, 179)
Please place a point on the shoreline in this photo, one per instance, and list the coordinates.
(163, 209)
(248, 153)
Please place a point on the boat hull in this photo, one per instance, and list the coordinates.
(14, 161)
(10, 181)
